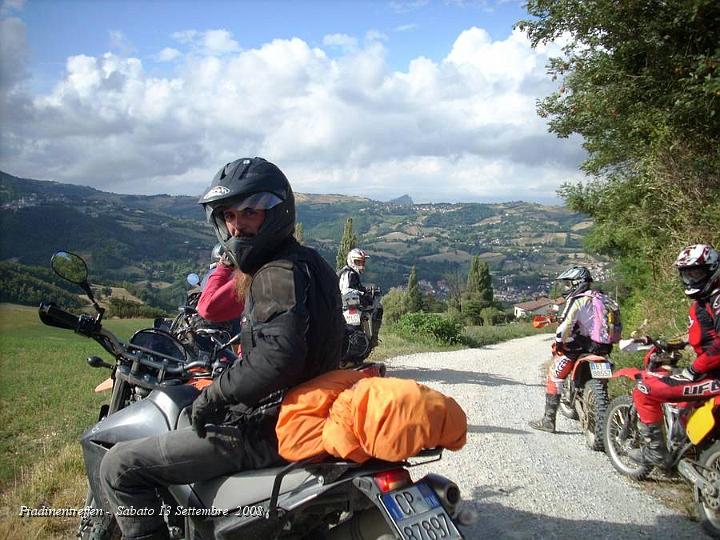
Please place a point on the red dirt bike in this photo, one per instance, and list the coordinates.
(585, 396)
(692, 432)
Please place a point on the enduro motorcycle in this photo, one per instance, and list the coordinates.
(585, 396)
(692, 432)
(314, 498)
(363, 318)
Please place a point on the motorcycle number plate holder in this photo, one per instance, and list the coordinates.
(352, 316)
(601, 370)
(418, 514)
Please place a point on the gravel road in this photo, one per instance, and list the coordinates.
(524, 483)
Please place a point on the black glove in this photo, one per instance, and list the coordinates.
(687, 375)
(209, 407)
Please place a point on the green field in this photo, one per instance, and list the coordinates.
(47, 400)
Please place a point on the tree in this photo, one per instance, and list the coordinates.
(394, 305)
(299, 232)
(348, 242)
(456, 287)
(478, 293)
(413, 298)
(640, 83)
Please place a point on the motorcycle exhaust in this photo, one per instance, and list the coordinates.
(447, 491)
(688, 471)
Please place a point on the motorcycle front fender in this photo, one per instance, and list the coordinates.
(630, 373)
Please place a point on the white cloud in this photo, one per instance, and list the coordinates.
(168, 54)
(342, 41)
(119, 43)
(9, 6)
(463, 128)
(406, 27)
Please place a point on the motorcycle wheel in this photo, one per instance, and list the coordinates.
(567, 410)
(709, 507)
(595, 400)
(621, 416)
(98, 527)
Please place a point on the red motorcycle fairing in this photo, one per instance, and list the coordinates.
(631, 373)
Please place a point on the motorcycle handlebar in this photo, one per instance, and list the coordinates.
(52, 315)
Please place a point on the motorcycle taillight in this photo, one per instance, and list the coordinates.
(392, 480)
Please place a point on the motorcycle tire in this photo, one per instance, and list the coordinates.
(595, 400)
(709, 507)
(98, 527)
(621, 416)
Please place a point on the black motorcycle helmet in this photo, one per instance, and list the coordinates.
(263, 186)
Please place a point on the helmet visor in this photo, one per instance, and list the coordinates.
(257, 201)
(694, 276)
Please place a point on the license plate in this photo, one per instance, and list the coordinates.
(601, 370)
(418, 514)
(352, 316)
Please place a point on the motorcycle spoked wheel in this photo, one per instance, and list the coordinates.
(709, 507)
(621, 436)
(595, 400)
(567, 410)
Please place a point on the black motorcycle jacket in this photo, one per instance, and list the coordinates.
(292, 328)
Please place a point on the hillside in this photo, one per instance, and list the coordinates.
(150, 241)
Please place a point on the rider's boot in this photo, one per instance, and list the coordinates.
(653, 451)
(547, 422)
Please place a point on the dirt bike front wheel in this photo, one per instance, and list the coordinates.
(97, 525)
(595, 404)
(621, 436)
(709, 506)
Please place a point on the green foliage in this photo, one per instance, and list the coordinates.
(348, 242)
(478, 295)
(413, 298)
(393, 305)
(430, 325)
(127, 309)
(491, 315)
(641, 85)
(30, 285)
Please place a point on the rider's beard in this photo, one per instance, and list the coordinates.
(242, 284)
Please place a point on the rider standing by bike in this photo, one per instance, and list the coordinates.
(292, 331)
(572, 339)
(349, 275)
(699, 269)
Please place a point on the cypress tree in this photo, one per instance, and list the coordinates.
(348, 242)
(413, 298)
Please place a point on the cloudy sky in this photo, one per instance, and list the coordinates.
(433, 98)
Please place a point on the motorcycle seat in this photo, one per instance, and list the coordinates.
(249, 487)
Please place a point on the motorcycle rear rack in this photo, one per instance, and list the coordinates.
(338, 468)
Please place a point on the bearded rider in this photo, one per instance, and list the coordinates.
(699, 269)
(572, 339)
(291, 332)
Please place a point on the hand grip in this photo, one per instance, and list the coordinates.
(52, 315)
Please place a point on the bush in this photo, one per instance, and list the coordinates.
(430, 325)
(393, 305)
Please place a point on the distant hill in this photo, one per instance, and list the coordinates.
(404, 200)
(147, 242)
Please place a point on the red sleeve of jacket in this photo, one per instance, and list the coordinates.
(706, 324)
(218, 302)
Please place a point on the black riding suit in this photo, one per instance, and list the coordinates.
(292, 331)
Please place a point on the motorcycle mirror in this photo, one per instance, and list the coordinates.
(73, 268)
(193, 279)
(70, 267)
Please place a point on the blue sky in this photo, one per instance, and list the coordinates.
(430, 98)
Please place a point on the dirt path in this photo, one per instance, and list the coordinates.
(524, 483)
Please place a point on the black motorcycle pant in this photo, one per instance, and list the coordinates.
(132, 471)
